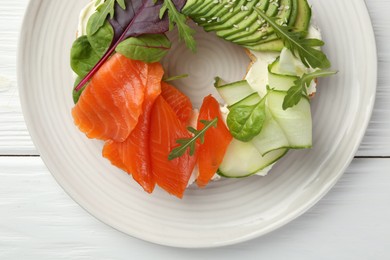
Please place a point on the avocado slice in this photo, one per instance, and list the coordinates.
(263, 31)
(224, 10)
(255, 22)
(239, 22)
(232, 12)
(190, 5)
(283, 14)
(275, 45)
(301, 24)
(201, 7)
(210, 13)
(294, 12)
(208, 9)
(243, 26)
(303, 17)
(217, 11)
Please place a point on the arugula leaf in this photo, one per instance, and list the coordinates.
(246, 122)
(298, 44)
(148, 48)
(190, 143)
(186, 33)
(103, 11)
(140, 17)
(294, 94)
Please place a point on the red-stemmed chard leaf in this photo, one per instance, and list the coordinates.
(140, 17)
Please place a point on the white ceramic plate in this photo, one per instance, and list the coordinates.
(228, 211)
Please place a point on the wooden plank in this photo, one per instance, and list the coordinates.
(377, 139)
(14, 137)
(39, 221)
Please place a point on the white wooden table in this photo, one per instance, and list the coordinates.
(39, 221)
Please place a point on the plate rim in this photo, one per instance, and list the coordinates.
(34, 5)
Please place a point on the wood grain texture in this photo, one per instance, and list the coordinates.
(39, 221)
(377, 139)
(14, 137)
(15, 140)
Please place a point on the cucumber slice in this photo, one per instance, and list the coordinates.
(243, 159)
(277, 80)
(291, 128)
(247, 101)
(234, 92)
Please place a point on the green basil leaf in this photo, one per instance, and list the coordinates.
(246, 122)
(77, 94)
(82, 56)
(102, 38)
(148, 48)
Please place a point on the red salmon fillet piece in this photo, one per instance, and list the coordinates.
(133, 155)
(179, 102)
(216, 141)
(109, 107)
(171, 175)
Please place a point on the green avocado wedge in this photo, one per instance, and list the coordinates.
(237, 22)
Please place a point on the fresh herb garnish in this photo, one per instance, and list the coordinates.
(298, 44)
(102, 38)
(246, 121)
(186, 33)
(148, 48)
(107, 8)
(294, 94)
(190, 143)
(140, 17)
(82, 56)
(168, 79)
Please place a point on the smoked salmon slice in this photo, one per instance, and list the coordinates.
(179, 102)
(109, 107)
(133, 155)
(216, 141)
(166, 128)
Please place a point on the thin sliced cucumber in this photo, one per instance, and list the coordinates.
(291, 128)
(277, 80)
(243, 159)
(250, 100)
(234, 92)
